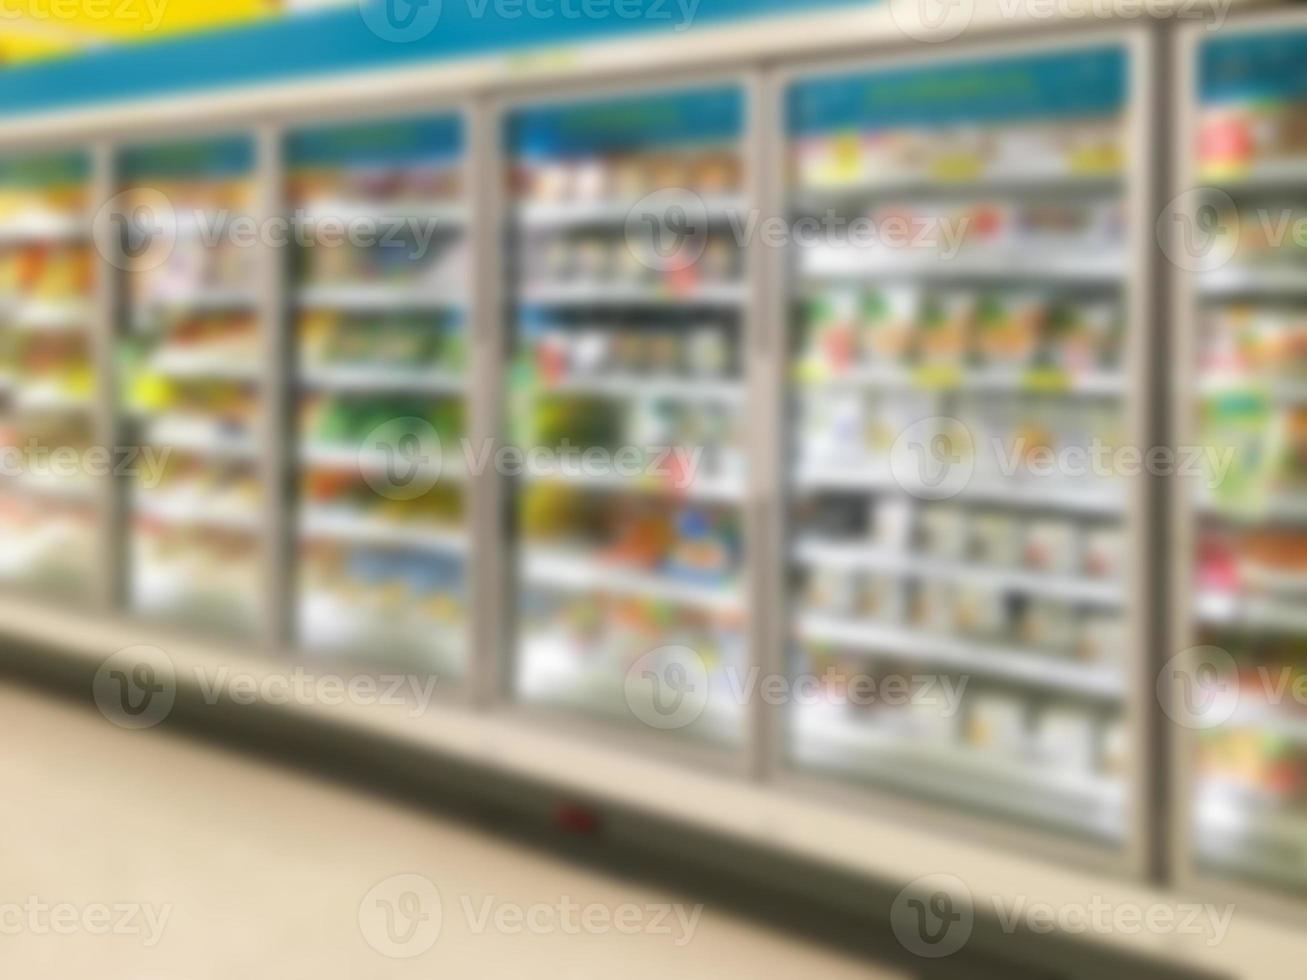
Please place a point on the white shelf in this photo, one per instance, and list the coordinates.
(578, 572)
(1062, 495)
(713, 490)
(42, 226)
(362, 461)
(1269, 175)
(74, 489)
(214, 299)
(1233, 280)
(197, 510)
(319, 522)
(1277, 389)
(53, 316)
(202, 365)
(373, 297)
(866, 557)
(1041, 180)
(1251, 612)
(453, 215)
(835, 264)
(381, 378)
(729, 294)
(1277, 508)
(1268, 717)
(570, 214)
(201, 436)
(651, 387)
(1033, 667)
(48, 397)
(945, 378)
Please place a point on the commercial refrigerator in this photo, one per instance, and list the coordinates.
(50, 479)
(378, 302)
(627, 297)
(189, 352)
(965, 581)
(1235, 686)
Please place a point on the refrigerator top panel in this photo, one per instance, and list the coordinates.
(1077, 84)
(46, 169)
(660, 120)
(387, 143)
(205, 158)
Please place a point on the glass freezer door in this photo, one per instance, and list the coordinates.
(1243, 687)
(957, 389)
(378, 310)
(190, 356)
(48, 483)
(626, 390)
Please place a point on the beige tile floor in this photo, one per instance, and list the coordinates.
(204, 864)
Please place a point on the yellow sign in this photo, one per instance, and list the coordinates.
(35, 29)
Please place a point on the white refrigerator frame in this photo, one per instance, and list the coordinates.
(1184, 516)
(1139, 44)
(758, 62)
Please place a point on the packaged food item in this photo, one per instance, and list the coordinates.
(930, 720)
(944, 333)
(1067, 738)
(704, 547)
(1009, 327)
(1241, 422)
(835, 427)
(1083, 336)
(832, 591)
(590, 180)
(879, 597)
(942, 531)
(930, 604)
(980, 611)
(1113, 748)
(717, 172)
(1105, 552)
(1052, 545)
(891, 521)
(1103, 637)
(998, 723)
(630, 177)
(552, 181)
(887, 322)
(1047, 624)
(993, 538)
(832, 161)
(707, 352)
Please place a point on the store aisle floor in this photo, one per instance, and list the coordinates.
(145, 856)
